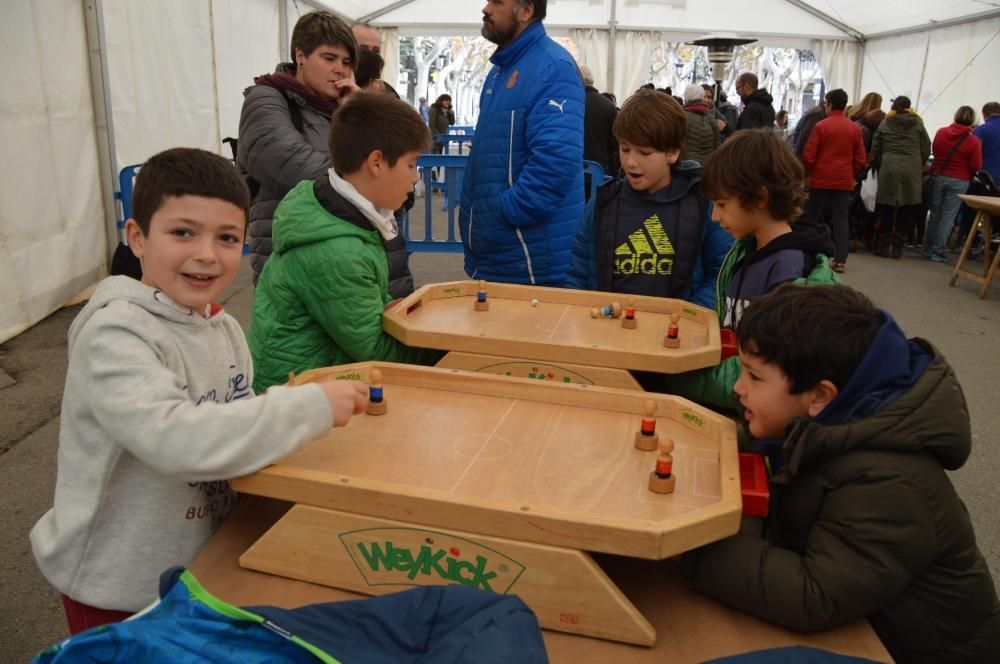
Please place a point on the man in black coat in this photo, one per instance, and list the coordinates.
(599, 115)
(758, 111)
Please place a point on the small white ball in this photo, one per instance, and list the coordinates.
(534, 303)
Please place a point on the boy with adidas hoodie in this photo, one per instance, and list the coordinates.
(863, 520)
(650, 233)
(320, 297)
(157, 412)
(757, 188)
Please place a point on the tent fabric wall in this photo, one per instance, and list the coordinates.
(593, 48)
(939, 70)
(390, 53)
(838, 59)
(52, 233)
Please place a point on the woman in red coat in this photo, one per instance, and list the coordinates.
(951, 177)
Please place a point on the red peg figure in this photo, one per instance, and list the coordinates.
(646, 437)
(662, 480)
(628, 317)
(672, 339)
(376, 399)
(482, 304)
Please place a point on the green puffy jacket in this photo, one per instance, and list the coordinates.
(320, 297)
(864, 522)
(713, 386)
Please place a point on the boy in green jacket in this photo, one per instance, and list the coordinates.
(320, 297)
(756, 186)
(864, 522)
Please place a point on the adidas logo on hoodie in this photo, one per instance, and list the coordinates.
(648, 251)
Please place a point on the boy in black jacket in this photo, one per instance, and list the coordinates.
(864, 521)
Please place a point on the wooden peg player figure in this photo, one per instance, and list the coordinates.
(672, 339)
(628, 316)
(376, 399)
(661, 480)
(613, 310)
(482, 304)
(646, 437)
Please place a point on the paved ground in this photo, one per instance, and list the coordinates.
(962, 326)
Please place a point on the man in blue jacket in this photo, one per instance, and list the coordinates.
(522, 198)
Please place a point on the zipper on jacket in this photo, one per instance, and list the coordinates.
(510, 155)
(527, 256)
(472, 211)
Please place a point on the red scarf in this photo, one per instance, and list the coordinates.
(286, 81)
(699, 107)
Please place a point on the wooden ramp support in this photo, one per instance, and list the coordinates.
(565, 588)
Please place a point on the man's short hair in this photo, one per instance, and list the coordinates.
(756, 166)
(186, 172)
(965, 115)
(837, 99)
(901, 103)
(990, 108)
(586, 75)
(651, 119)
(321, 28)
(748, 77)
(539, 6)
(811, 333)
(375, 121)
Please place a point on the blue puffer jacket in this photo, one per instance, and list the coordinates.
(523, 193)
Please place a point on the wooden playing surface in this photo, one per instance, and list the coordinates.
(558, 329)
(518, 458)
(690, 627)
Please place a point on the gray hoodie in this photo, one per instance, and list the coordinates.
(156, 415)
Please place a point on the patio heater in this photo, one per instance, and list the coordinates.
(720, 53)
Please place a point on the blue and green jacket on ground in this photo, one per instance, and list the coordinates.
(430, 624)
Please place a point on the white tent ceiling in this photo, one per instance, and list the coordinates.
(863, 19)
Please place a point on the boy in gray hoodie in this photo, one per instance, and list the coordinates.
(157, 411)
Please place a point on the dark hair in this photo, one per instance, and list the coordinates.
(811, 333)
(837, 99)
(375, 121)
(965, 115)
(900, 103)
(539, 6)
(320, 28)
(754, 166)
(990, 108)
(369, 68)
(186, 172)
(651, 119)
(748, 77)
(441, 98)
(781, 114)
(611, 97)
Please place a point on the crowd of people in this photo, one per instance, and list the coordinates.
(166, 398)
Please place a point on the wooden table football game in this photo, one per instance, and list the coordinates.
(499, 483)
(550, 333)
(987, 207)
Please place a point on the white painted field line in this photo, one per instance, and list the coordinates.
(483, 447)
(559, 322)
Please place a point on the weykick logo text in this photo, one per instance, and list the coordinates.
(415, 557)
(648, 251)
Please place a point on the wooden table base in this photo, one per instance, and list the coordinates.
(564, 587)
(985, 209)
